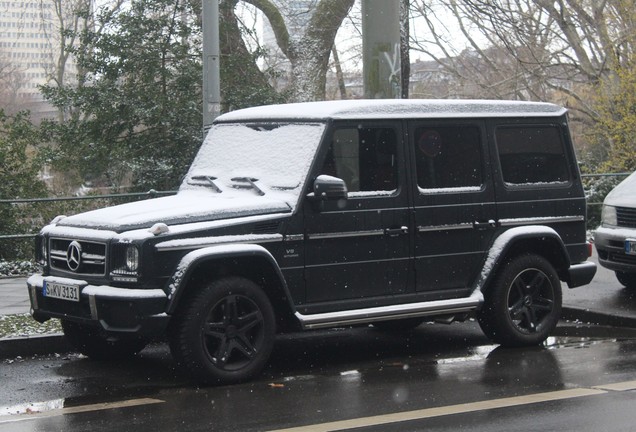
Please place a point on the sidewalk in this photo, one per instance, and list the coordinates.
(602, 302)
(14, 298)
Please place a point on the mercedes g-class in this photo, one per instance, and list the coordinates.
(324, 214)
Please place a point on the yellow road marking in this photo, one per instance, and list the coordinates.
(622, 386)
(80, 409)
(364, 421)
(447, 410)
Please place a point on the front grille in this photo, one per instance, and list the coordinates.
(622, 258)
(626, 217)
(92, 257)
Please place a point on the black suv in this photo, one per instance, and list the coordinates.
(315, 215)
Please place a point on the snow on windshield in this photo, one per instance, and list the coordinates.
(277, 156)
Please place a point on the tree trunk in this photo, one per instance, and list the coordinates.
(309, 53)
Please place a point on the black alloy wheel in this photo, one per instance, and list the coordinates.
(523, 305)
(225, 332)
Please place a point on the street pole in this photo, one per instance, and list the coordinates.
(211, 63)
(381, 49)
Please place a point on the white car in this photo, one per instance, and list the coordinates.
(615, 239)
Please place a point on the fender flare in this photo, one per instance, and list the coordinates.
(192, 260)
(506, 240)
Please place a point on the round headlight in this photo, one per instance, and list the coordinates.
(132, 258)
(608, 215)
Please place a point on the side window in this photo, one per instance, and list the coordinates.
(532, 154)
(365, 158)
(448, 157)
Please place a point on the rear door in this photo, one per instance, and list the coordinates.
(537, 181)
(360, 250)
(453, 205)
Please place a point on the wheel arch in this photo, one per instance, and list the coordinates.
(250, 261)
(539, 239)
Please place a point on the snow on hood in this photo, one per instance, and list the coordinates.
(185, 207)
(623, 195)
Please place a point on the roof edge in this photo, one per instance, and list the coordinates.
(395, 108)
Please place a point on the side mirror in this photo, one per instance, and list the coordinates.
(328, 188)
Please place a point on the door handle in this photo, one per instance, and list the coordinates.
(395, 232)
(483, 225)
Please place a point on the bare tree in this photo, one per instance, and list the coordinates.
(11, 80)
(528, 49)
(309, 53)
(68, 19)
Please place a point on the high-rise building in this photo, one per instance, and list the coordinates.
(29, 53)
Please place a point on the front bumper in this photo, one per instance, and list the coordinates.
(610, 246)
(139, 312)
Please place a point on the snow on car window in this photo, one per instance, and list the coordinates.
(277, 156)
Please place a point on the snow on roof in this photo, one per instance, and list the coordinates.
(395, 108)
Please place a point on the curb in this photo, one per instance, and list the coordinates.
(33, 345)
(590, 317)
(579, 321)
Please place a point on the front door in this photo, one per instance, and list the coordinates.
(359, 250)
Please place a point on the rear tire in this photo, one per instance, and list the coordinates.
(523, 304)
(93, 343)
(223, 333)
(628, 280)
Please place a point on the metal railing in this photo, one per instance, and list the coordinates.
(135, 196)
(153, 193)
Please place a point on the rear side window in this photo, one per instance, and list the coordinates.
(448, 157)
(532, 154)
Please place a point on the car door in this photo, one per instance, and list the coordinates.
(453, 205)
(536, 179)
(359, 249)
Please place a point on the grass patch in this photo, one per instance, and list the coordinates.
(24, 325)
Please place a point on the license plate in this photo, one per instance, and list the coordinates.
(630, 247)
(60, 291)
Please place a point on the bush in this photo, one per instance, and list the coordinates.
(17, 268)
(596, 189)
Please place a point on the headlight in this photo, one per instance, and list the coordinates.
(44, 253)
(132, 258)
(608, 215)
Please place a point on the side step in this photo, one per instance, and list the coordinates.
(384, 313)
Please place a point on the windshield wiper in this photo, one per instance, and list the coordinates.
(250, 182)
(205, 180)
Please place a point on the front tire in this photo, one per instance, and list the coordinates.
(93, 343)
(628, 280)
(224, 333)
(523, 305)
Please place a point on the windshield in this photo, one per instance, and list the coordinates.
(262, 160)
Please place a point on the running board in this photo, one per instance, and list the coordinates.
(384, 313)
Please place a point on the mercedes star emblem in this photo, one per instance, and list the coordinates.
(74, 256)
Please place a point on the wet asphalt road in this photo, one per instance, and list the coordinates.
(436, 378)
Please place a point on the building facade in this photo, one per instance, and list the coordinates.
(30, 48)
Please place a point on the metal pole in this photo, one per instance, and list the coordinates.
(211, 63)
(381, 49)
